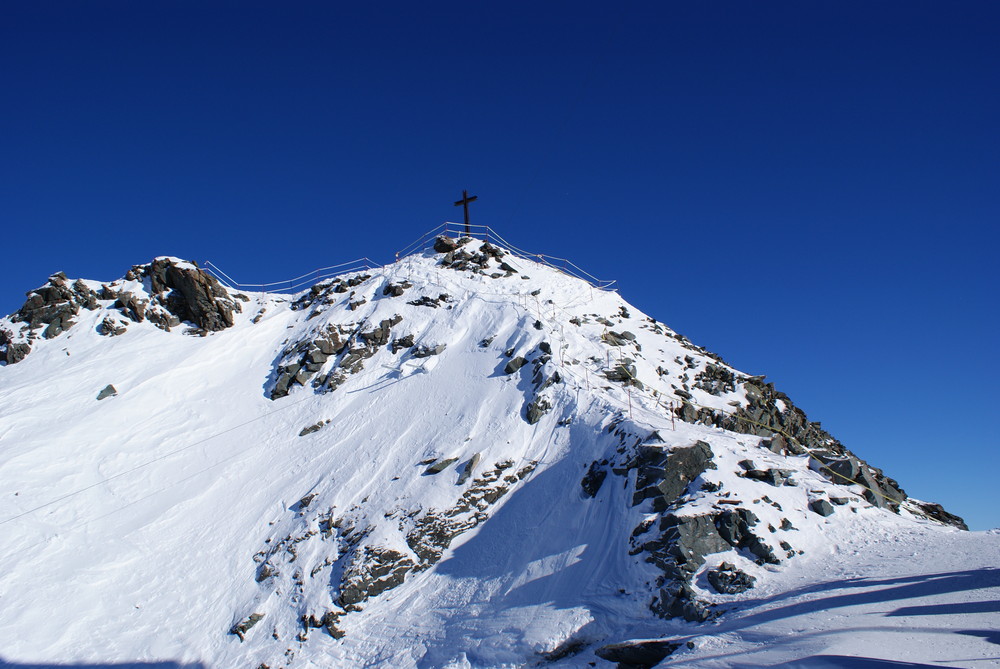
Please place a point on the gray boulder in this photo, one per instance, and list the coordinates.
(109, 391)
(822, 507)
(445, 244)
(470, 468)
(241, 628)
(428, 351)
(15, 353)
(514, 364)
(728, 580)
(439, 466)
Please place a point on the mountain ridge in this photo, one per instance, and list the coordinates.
(686, 458)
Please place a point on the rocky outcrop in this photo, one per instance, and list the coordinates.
(52, 307)
(434, 531)
(536, 408)
(785, 429)
(478, 261)
(514, 364)
(13, 352)
(728, 580)
(663, 475)
(637, 654)
(327, 292)
(190, 294)
(331, 354)
(594, 478)
(373, 571)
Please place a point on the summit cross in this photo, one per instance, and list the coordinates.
(464, 203)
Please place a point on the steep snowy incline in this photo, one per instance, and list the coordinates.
(464, 458)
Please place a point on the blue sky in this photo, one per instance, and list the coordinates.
(807, 189)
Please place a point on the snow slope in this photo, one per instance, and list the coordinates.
(283, 468)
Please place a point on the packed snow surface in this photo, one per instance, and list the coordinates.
(144, 527)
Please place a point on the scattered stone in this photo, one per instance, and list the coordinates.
(624, 373)
(822, 507)
(240, 629)
(470, 468)
(426, 302)
(396, 289)
(445, 244)
(109, 327)
(428, 351)
(316, 427)
(728, 580)
(679, 600)
(514, 364)
(109, 391)
(439, 466)
(406, 341)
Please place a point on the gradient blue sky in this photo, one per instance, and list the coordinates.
(809, 189)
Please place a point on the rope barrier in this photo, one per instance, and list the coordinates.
(538, 313)
(561, 265)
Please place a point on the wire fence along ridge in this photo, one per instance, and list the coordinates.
(422, 243)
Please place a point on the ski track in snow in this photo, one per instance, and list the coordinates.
(167, 491)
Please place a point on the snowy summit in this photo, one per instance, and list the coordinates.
(466, 458)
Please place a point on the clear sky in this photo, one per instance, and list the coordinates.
(809, 189)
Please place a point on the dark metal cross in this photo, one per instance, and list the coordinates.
(464, 203)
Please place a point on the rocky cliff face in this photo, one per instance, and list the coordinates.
(462, 431)
(166, 292)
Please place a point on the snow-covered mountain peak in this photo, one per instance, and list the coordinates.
(465, 456)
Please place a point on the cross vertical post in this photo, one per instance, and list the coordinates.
(464, 203)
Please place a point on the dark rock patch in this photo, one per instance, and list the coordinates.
(728, 580)
(514, 364)
(637, 654)
(537, 408)
(594, 479)
(373, 572)
(108, 391)
(241, 628)
(440, 466)
(822, 507)
(470, 468)
(665, 475)
(428, 351)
